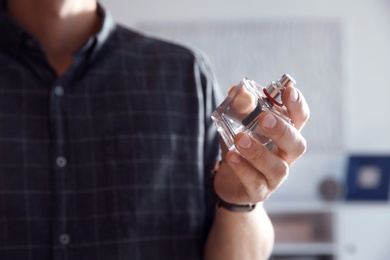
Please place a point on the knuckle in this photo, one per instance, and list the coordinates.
(281, 172)
(261, 189)
(259, 154)
(306, 115)
(285, 134)
(258, 183)
(301, 147)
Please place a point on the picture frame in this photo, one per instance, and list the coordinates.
(368, 178)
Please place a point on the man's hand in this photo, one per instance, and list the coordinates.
(253, 179)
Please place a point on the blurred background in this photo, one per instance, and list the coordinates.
(339, 53)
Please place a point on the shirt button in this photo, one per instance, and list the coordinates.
(61, 161)
(59, 91)
(64, 239)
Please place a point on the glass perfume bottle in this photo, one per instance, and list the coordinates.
(240, 110)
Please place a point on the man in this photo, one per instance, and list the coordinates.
(107, 143)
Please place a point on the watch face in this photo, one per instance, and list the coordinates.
(330, 189)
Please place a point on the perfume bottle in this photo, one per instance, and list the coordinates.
(239, 112)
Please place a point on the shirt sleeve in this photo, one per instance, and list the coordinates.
(212, 98)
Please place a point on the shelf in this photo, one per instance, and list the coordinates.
(320, 230)
(282, 249)
(307, 207)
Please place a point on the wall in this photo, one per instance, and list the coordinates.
(365, 64)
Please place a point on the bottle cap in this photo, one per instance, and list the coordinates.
(274, 90)
(286, 78)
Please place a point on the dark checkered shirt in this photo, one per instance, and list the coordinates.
(108, 161)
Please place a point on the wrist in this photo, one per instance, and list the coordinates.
(221, 203)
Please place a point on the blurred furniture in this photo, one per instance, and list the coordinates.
(330, 231)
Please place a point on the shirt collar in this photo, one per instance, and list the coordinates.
(12, 35)
(14, 38)
(107, 28)
(99, 39)
(94, 45)
(3, 3)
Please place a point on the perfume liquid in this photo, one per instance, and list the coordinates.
(239, 112)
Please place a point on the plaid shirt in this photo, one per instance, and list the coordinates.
(107, 161)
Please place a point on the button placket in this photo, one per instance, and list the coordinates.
(58, 103)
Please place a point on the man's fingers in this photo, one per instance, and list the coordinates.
(260, 168)
(297, 107)
(289, 141)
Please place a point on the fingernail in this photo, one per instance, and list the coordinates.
(245, 142)
(234, 158)
(293, 95)
(269, 121)
(231, 89)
